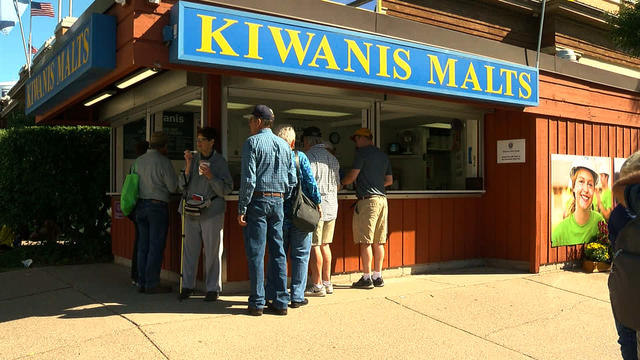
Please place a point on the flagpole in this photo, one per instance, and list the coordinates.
(30, 27)
(15, 4)
(59, 11)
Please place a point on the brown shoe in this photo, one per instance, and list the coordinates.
(273, 309)
(254, 311)
(158, 290)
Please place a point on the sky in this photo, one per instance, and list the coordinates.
(12, 55)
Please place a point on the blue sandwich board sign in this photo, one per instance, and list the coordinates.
(213, 36)
(87, 53)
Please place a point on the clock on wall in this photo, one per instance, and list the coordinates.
(334, 137)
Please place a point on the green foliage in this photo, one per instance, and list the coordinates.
(625, 28)
(74, 252)
(596, 252)
(59, 174)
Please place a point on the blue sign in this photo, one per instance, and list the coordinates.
(88, 52)
(214, 36)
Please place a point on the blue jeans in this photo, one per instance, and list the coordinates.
(264, 219)
(628, 342)
(152, 221)
(298, 245)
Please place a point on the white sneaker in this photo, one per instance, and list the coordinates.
(328, 288)
(314, 291)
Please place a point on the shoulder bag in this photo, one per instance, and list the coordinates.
(129, 195)
(304, 213)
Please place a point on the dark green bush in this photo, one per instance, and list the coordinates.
(58, 174)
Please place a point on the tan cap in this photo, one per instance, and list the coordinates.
(158, 139)
(629, 174)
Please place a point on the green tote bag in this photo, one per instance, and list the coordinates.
(129, 195)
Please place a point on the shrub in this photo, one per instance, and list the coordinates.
(56, 174)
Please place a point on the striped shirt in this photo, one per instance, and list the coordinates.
(266, 167)
(326, 170)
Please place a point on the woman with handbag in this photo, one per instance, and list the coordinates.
(295, 229)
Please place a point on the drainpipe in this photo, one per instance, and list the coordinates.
(540, 34)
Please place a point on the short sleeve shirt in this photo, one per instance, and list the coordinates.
(569, 232)
(374, 165)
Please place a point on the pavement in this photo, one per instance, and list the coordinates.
(93, 312)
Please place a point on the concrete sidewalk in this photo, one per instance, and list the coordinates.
(93, 312)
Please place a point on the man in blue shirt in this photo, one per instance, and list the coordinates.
(267, 178)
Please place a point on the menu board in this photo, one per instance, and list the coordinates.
(134, 132)
(179, 128)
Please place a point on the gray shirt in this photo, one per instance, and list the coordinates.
(157, 177)
(326, 170)
(374, 165)
(220, 184)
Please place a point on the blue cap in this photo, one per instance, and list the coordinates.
(263, 112)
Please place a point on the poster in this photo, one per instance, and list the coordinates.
(581, 198)
(179, 128)
(134, 132)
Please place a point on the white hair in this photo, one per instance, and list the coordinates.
(286, 132)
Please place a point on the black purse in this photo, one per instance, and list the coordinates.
(304, 213)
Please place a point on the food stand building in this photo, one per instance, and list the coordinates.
(466, 118)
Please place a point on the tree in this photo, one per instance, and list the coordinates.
(625, 28)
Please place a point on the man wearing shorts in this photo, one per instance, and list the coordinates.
(371, 173)
(326, 170)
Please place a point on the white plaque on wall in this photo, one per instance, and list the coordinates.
(511, 151)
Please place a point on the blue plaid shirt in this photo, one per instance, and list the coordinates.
(266, 167)
(309, 185)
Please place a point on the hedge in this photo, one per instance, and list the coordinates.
(58, 174)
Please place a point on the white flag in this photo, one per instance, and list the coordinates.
(8, 16)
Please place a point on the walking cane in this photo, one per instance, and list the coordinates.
(182, 242)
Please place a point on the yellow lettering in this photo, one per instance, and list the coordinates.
(490, 89)
(67, 68)
(510, 74)
(524, 84)
(294, 41)
(252, 52)
(471, 77)
(327, 55)
(208, 34)
(449, 68)
(383, 60)
(60, 67)
(352, 47)
(85, 44)
(402, 63)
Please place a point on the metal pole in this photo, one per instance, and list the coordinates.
(540, 34)
(70, 8)
(24, 44)
(30, 27)
(59, 11)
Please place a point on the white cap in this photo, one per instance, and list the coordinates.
(584, 163)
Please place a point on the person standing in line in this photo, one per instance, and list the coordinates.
(206, 179)
(371, 173)
(141, 149)
(267, 178)
(604, 198)
(326, 170)
(157, 181)
(297, 243)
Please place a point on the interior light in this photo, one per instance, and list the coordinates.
(139, 76)
(196, 102)
(100, 97)
(237, 106)
(312, 112)
(438, 125)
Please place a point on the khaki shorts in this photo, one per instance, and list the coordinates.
(370, 221)
(323, 233)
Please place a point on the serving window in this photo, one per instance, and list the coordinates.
(433, 146)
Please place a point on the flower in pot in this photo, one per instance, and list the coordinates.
(597, 252)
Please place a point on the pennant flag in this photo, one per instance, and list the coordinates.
(34, 50)
(8, 16)
(41, 9)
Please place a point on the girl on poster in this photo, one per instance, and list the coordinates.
(582, 224)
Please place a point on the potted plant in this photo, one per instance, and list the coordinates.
(597, 252)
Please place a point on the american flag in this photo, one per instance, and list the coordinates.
(41, 9)
(34, 50)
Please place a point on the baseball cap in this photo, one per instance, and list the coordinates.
(263, 112)
(158, 138)
(361, 132)
(311, 131)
